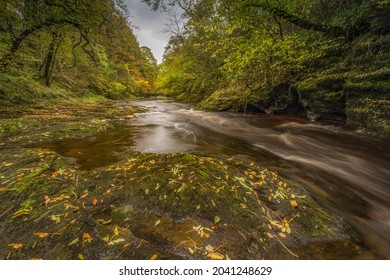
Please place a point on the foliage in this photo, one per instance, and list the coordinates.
(279, 56)
(85, 46)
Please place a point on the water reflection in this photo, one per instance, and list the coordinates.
(345, 171)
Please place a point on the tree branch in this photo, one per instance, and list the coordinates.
(298, 21)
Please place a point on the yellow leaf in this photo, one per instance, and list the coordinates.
(116, 231)
(73, 242)
(293, 203)
(282, 235)
(15, 245)
(106, 238)
(41, 234)
(84, 195)
(154, 257)
(216, 256)
(81, 256)
(157, 223)
(198, 206)
(217, 219)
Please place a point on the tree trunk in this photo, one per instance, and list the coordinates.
(7, 57)
(50, 60)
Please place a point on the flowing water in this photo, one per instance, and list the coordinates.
(345, 171)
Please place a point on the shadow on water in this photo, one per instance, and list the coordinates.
(345, 171)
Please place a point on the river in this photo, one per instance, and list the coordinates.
(346, 171)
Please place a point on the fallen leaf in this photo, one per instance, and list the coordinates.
(84, 195)
(74, 241)
(81, 256)
(116, 231)
(154, 257)
(41, 234)
(116, 241)
(56, 218)
(15, 245)
(270, 235)
(94, 201)
(157, 223)
(210, 248)
(216, 256)
(282, 235)
(103, 222)
(217, 219)
(87, 237)
(106, 238)
(293, 203)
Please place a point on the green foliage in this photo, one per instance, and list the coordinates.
(324, 59)
(82, 46)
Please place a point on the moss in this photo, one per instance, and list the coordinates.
(13, 126)
(233, 98)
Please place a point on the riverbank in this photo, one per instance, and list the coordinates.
(165, 206)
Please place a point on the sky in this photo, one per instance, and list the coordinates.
(151, 26)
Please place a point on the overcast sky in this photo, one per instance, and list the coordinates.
(150, 25)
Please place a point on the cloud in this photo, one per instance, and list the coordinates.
(151, 26)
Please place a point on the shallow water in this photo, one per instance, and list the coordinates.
(344, 170)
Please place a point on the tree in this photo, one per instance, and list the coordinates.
(355, 24)
(25, 17)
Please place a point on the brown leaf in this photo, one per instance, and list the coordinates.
(86, 236)
(270, 235)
